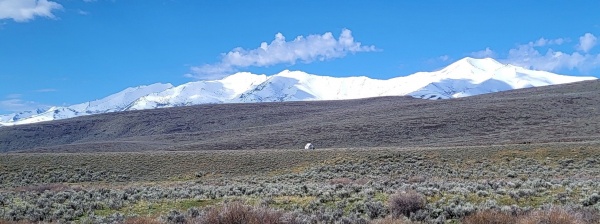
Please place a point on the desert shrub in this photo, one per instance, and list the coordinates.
(175, 217)
(193, 212)
(236, 212)
(416, 179)
(459, 209)
(589, 215)
(591, 200)
(489, 217)
(11, 222)
(375, 209)
(402, 204)
(114, 218)
(115, 203)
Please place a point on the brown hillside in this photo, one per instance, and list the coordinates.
(569, 112)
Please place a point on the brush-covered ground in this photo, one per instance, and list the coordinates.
(527, 183)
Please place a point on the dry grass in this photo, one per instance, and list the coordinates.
(157, 166)
(44, 187)
(186, 166)
(552, 216)
(141, 220)
(389, 220)
(416, 179)
(343, 181)
(489, 217)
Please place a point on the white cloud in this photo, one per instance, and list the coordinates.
(532, 55)
(545, 42)
(444, 58)
(82, 12)
(15, 103)
(18, 105)
(487, 53)
(13, 96)
(552, 60)
(25, 10)
(45, 90)
(209, 72)
(279, 51)
(436, 60)
(586, 42)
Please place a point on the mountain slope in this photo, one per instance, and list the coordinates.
(201, 92)
(113, 103)
(466, 77)
(469, 77)
(558, 113)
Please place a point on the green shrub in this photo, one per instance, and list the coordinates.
(375, 209)
(175, 217)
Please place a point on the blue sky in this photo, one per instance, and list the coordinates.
(62, 52)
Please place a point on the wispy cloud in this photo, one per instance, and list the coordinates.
(14, 96)
(487, 53)
(437, 60)
(26, 10)
(539, 55)
(546, 42)
(82, 12)
(46, 90)
(15, 103)
(279, 51)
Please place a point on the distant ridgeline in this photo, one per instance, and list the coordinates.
(466, 77)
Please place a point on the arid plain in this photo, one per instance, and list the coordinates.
(523, 156)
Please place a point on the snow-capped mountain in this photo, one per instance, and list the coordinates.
(113, 103)
(200, 92)
(466, 77)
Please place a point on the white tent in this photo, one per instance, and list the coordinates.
(309, 146)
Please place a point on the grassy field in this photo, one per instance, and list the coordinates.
(361, 185)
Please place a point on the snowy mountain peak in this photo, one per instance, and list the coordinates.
(481, 63)
(471, 68)
(242, 77)
(293, 74)
(239, 82)
(465, 77)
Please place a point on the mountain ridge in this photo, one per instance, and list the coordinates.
(465, 77)
(557, 113)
